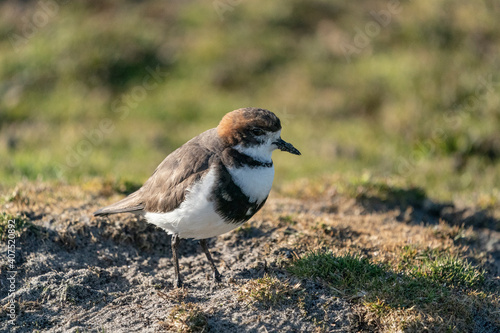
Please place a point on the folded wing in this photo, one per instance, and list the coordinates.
(165, 190)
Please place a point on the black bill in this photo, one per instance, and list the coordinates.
(285, 146)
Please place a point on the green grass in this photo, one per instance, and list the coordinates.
(440, 267)
(426, 283)
(20, 225)
(419, 102)
(348, 274)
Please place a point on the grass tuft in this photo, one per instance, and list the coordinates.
(441, 267)
(349, 273)
(429, 284)
(268, 291)
(186, 317)
(20, 225)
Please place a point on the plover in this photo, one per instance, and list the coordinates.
(213, 183)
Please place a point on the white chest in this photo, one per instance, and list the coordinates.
(195, 217)
(254, 182)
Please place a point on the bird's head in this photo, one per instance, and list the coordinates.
(254, 132)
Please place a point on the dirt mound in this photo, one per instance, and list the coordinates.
(77, 273)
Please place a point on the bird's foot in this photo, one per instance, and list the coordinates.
(178, 283)
(217, 276)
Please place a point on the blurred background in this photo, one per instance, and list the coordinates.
(404, 93)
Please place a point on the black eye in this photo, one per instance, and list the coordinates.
(257, 131)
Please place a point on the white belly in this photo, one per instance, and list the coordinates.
(254, 182)
(195, 217)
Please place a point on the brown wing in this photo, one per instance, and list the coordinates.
(166, 188)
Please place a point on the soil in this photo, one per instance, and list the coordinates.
(77, 273)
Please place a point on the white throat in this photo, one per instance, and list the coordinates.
(262, 152)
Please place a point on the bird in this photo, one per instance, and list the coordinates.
(212, 184)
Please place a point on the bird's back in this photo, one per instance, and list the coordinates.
(166, 188)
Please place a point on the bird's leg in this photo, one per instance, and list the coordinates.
(204, 247)
(175, 246)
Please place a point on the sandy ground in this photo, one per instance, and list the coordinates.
(77, 273)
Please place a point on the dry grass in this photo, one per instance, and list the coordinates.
(269, 291)
(186, 317)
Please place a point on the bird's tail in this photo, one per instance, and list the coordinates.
(130, 204)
